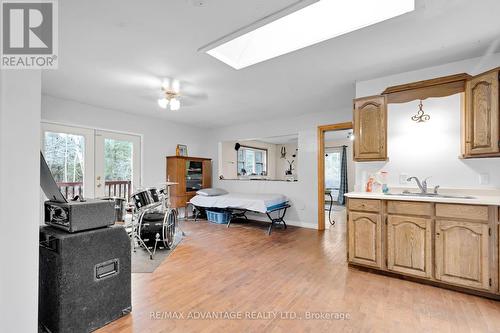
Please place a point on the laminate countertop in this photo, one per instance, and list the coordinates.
(472, 199)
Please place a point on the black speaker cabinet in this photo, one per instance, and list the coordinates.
(85, 278)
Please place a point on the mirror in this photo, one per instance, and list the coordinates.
(271, 158)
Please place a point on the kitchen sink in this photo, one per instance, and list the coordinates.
(431, 195)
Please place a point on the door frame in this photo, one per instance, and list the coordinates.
(321, 166)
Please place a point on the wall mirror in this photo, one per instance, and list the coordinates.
(271, 158)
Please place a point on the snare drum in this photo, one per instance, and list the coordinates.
(142, 198)
(153, 191)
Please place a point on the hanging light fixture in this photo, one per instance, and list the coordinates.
(420, 117)
(170, 94)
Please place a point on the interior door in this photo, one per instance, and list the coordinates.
(69, 152)
(117, 164)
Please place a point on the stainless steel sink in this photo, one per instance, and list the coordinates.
(431, 195)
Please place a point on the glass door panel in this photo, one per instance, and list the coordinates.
(194, 176)
(117, 164)
(68, 152)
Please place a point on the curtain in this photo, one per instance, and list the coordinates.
(343, 176)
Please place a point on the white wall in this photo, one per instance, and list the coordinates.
(20, 92)
(159, 137)
(302, 194)
(431, 148)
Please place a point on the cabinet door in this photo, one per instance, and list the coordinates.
(365, 243)
(370, 129)
(482, 115)
(207, 174)
(409, 245)
(462, 255)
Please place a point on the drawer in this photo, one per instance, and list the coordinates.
(468, 212)
(409, 208)
(365, 205)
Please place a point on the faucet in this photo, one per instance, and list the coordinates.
(423, 185)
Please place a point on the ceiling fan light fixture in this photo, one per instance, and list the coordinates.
(175, 104)
(163, 102)
(165, 84)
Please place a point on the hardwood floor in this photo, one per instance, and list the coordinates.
(241, 270)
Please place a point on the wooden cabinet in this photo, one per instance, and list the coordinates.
(370, 129)
(482, 116)
(444, 243)
(365, 238)
(192, 174)
(462, 255)
(409, 247)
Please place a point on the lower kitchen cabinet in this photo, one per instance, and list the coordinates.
(462, 253)
(365, 238)
(449, 244)
(409, 245)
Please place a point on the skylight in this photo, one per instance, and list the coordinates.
(318, 22)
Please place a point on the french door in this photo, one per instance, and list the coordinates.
(90, 162)
(117, 164)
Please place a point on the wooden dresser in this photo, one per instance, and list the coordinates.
(192, 174)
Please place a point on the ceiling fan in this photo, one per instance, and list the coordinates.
(170, 95)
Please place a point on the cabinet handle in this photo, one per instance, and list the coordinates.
(437, 234)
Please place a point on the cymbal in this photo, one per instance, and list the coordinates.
(168, 183)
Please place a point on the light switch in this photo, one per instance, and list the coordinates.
(403, 178)
(484, 178)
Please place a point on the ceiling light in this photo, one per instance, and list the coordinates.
(163, 102)
(313, 24)
(175, 104)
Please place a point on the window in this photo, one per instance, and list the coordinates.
(332, 170)
(252, 161)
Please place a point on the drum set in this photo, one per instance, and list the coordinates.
(154, 222)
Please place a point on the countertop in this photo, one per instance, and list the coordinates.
(493, 200)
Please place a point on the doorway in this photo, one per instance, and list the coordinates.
(333, 142)
(92, 163)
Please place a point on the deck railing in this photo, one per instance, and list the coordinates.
(112, 188)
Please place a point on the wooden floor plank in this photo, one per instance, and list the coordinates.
(242, 270)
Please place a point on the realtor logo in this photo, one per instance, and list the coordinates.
(29, 34)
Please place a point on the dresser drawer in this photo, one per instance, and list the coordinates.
(365, 205)
(468, 212)
(409, 208)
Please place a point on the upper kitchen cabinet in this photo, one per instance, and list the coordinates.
(481, 116)
(370, 129)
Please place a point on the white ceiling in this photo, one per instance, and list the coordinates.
(113, 54)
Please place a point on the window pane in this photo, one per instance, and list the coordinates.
(117, 167)
(64, 154)
(117, 159)
(332, 170)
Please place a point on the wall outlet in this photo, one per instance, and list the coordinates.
(484, 178)
(403, 179)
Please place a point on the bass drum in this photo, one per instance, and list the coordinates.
(158, 225)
